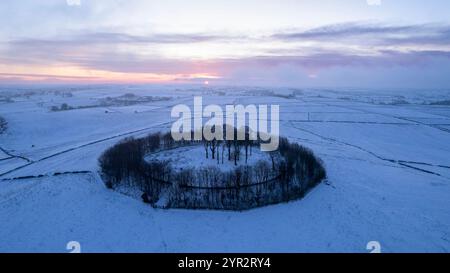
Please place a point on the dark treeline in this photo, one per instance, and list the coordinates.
(3, 125)
(291, 172)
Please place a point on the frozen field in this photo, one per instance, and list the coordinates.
(387, 154)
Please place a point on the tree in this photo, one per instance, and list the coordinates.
(273, 155)
(206, 145)
(218, 158)
(229, 143)
(3, 125)
(212, 147)
(223, 151)
(291, 172)
(237, 151)
(247, 144)
(65, 107)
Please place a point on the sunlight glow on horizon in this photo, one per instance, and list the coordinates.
(79, 75)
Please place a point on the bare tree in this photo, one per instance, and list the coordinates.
(217, 148)
(223, 150)
(229, 143)
(292, 171)
(237, 151)
(212, 147)
(3, 125)
(273, 155)
(206, 145)
(247, 144)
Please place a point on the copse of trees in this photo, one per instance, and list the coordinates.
(63, 107)
(3, 125)
(289, 174)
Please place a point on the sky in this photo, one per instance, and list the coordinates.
(317, 43)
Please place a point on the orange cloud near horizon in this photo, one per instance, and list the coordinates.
(71, 74)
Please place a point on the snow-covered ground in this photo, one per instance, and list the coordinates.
(387, 154)
(194, 156)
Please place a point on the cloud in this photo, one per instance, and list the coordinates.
(360, 40)
(348, 46)
(317, 62)
(344, 30)
(113, 38)
(375, 33)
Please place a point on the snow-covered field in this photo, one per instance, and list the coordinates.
(184, 158)
(387, 154)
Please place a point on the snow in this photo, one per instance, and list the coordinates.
(9, 163)
(388, 174)
(391, 142)
(189, 157)
(3, 155)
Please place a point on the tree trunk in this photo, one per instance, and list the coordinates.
(218, 158)
(246, 153)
